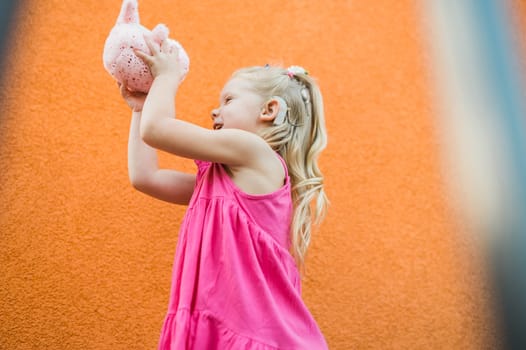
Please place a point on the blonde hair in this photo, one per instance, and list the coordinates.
(299, 140)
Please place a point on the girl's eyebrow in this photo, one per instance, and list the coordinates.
(224, 93)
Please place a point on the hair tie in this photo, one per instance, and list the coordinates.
(293, 70)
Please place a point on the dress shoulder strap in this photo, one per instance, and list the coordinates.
(284, 164)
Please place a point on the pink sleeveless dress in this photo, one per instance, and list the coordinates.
(235, 285)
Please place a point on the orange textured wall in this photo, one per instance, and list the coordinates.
(86, 261)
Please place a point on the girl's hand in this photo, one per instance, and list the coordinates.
(163, 61)
(134, 99)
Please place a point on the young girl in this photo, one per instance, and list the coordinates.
(235, 280)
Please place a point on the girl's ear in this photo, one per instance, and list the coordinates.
(274, 110)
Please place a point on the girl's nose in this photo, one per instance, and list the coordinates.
(215, 113)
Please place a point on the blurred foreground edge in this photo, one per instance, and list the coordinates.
(8, 12)
(481, 117)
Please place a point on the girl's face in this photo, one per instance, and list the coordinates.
(239, 107)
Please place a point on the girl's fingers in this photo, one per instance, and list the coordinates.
(150, 44)
(146, 58)
(124, 91)
(175, 50)
(164, 46)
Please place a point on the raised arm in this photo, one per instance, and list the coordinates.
(144, 173)
(143, 169)
(160, 129)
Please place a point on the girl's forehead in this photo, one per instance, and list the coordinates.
(236, 85)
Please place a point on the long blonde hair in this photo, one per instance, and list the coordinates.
(299, 140)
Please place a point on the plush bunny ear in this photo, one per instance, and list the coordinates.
(160, 32)
(129, 12)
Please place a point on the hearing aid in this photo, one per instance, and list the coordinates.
(282, 112)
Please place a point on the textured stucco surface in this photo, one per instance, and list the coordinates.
(86, 261)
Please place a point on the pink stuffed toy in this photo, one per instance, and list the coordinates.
(120, 60)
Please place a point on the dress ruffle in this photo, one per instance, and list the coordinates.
(202, 330)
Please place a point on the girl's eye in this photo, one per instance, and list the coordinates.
(228, 99)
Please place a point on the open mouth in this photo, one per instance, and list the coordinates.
(217, 126)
